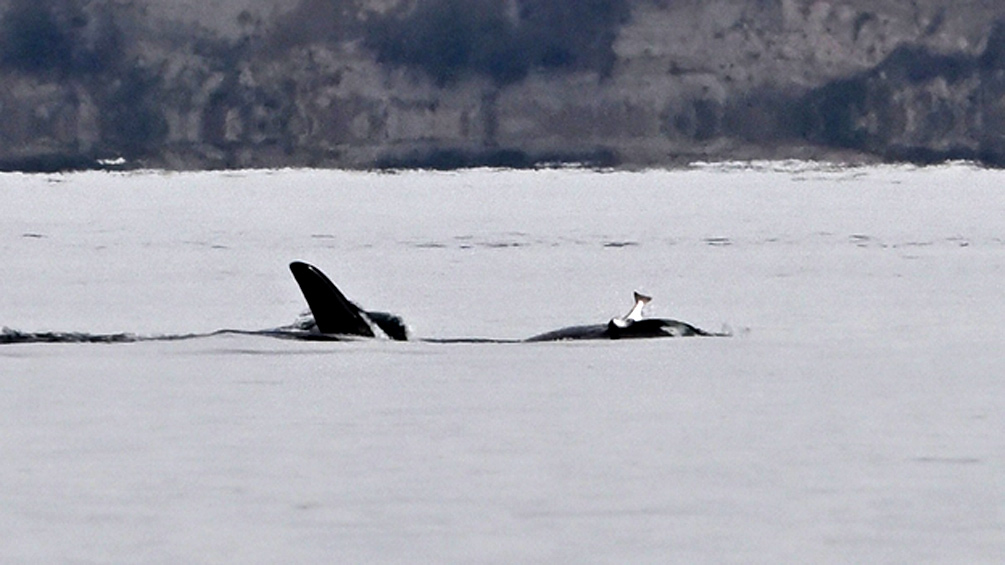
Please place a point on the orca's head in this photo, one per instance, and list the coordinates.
(392, 325)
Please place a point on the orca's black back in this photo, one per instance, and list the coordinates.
(333, 312)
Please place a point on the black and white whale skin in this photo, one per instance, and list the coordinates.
(645, 328)
(334, 316)
(631, 326)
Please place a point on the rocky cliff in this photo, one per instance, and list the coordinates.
(630, 83)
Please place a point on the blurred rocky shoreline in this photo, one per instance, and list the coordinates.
(517, 83)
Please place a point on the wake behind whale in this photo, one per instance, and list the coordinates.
(333, 317)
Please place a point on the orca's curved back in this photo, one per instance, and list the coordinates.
(333, 312)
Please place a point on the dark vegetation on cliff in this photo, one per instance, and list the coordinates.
(916, 105)
(40, 36)
(450, 39)
(81, 43)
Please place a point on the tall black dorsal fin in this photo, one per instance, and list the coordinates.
(333, 312)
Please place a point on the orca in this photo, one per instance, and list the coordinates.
(631, 325)
(333, 316)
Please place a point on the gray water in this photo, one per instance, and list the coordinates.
(855, 416)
